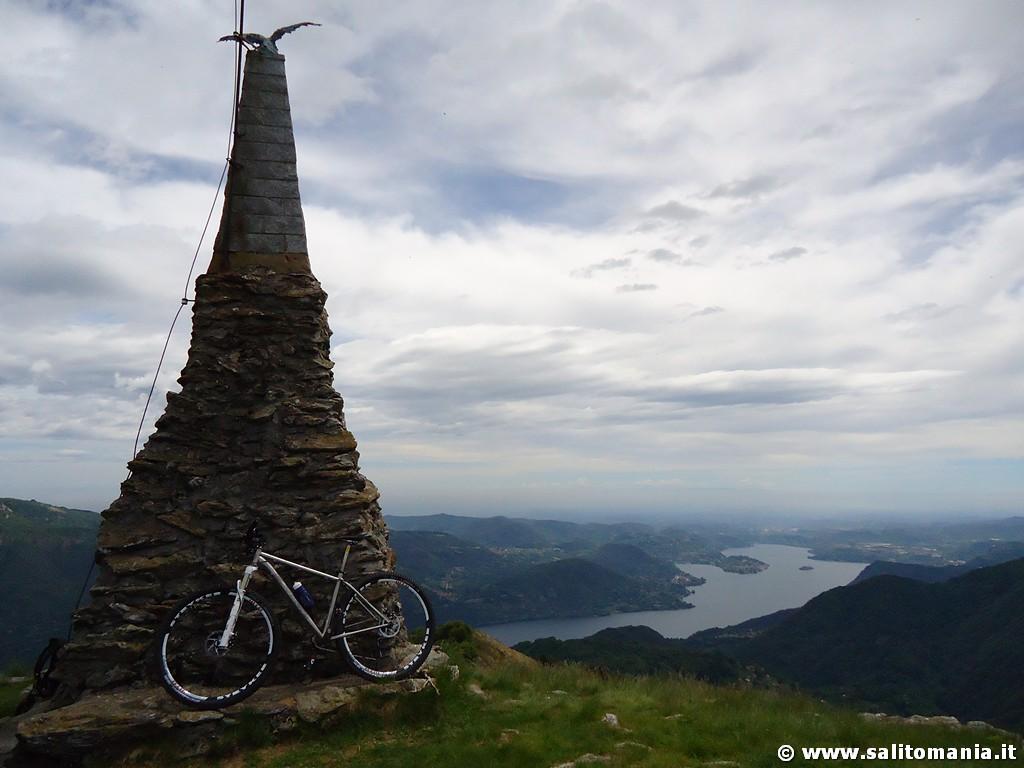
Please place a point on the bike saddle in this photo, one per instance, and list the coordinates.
(355, 539)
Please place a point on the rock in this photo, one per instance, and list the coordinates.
(315, 704)
(195, 717)
(183, 521)
(586, 759)
(507, 734)
(453, 671)
(131, 564)
(133, 615)
(416, 684)
(936, 720)
(257, 432)
(476, 690)
(942, 720)
(611, 720)
(340, 441)
(558, 692)
(437, 660)
(124, 716)
(632, 745)
(114, 722)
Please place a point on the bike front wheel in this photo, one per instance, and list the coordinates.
(386, 629)
(193, 664)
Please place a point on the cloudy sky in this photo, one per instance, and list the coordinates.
(607, 258)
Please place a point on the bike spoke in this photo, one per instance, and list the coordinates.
(386, 629)
(196, 667)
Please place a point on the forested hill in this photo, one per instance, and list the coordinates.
(903, 646)
(490, 585)
(45, 552)
(994, 554)
(637, 650)
(520, 533)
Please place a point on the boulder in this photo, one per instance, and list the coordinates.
(113, 722)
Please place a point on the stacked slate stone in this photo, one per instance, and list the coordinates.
(256, 434)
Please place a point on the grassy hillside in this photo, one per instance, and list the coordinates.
(45, 552)
(501, 713)
(907, 646)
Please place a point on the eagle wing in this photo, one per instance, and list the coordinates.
(279, 33)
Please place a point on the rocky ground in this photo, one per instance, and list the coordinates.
(109, 725)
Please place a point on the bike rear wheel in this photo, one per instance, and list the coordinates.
(386, 628)
(195, 669)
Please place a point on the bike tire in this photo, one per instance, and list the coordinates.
(179, 689)
(346, 618)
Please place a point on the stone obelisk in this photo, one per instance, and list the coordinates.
(256, 433)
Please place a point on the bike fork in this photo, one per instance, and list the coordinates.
(236, 607)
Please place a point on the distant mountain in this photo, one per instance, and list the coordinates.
(551, 539)
(559, 589)
(903, 646)
(637, 650)
(979, 554)
(444, 561)
(45, 553)
(506, 532)
(31, 517)
(933, 544)
(985, 554)
(491, 584)
(632, 561)
(930, 574)
(1005, 529)
(501, 532)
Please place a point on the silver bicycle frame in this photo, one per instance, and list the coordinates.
(264, 559)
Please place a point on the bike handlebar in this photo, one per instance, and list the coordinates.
(253, 540)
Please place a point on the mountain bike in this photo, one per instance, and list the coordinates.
(216, 647)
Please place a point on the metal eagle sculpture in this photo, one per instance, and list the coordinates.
(268, 44)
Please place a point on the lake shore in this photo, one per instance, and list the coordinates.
(724, 599)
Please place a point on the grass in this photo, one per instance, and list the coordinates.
(543, 716)
(10, 695)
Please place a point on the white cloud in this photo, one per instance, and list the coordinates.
(846, 176)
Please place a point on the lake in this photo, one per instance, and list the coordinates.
(726, 598)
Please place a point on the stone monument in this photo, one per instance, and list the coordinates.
(256, 434)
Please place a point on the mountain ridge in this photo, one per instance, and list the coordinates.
(899, 645)
(45, 553)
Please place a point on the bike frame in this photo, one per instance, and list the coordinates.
(263, 559)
